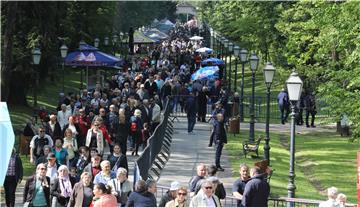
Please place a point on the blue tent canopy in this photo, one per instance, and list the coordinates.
(88, 55)
(213, 61)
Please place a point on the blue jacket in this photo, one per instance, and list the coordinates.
(190, 106)
(143, 199)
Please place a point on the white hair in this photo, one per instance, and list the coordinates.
(332, 192)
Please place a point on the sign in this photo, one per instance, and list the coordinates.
(7, 139)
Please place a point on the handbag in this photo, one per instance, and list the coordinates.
(28, 204)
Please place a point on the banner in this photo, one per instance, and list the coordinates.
(7, 139)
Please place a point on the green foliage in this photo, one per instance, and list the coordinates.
(320, 39)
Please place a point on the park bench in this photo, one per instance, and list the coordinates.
(251, 146)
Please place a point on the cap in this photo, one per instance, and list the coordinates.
(174, 185)
(51, 156)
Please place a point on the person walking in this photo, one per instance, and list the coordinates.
(190, 108)
(180, 200)
(121, 186)
(206, 196)
(256, 191)
(13, 176)
(62, 187)
(37, 189)
(310, 106)
(284, 104)
(82, 194)
(103, 196)
(220, 139)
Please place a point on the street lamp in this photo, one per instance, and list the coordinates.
(63, 51)
(36, 55)
(114, 41)
(211, 38)
(243, 59)
(269, 72)
(294, 87)
(106, 41)
(226, 44)
(96, 42)
(236, 53)
(230, 49)
(254, 61)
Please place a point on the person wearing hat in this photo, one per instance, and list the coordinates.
(170, 194)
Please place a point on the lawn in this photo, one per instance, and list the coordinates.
(322, 160)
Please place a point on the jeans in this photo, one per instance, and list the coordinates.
(219, 148)
(191, 122)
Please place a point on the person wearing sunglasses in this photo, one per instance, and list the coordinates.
(180, 200)
(205, 196)
(94, 138)
(37, 188)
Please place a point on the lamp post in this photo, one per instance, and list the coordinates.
(294, 87)
(114, 41)
(121, 35)
(230, 49)
(236, 53)
(96, 42)
(226, 44)
(243, 59)
(269, 72)
(211, 38)
(254, 61)
(36, 55)
(63, 51)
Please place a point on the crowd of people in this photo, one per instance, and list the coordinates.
(80, 151)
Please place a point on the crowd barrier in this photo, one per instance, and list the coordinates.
(157, 152)
(231, 201)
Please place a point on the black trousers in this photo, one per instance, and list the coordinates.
(219, 148)
(10, 188)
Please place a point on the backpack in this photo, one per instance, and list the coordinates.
(133, 127)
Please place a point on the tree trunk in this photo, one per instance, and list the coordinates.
(17, 88)
(7, 66)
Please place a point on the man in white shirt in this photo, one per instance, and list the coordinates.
(63, 116)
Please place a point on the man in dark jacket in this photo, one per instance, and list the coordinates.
(13, 176)
(220, 139)
(256, 191)
(190, 108)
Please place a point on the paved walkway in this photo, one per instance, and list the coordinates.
(189, 150)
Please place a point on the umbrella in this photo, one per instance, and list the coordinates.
(212, 61)
(205, 73)
(204, 50)
(196, 38)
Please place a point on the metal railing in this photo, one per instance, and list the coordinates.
(157, 152)
(231, 201)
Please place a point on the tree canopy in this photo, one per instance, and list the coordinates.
(320, 39)
(47, 25)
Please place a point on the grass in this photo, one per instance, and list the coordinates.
(48, 98)
(322, 160)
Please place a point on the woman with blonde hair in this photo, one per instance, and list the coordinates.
(70, 144)
(94, 138)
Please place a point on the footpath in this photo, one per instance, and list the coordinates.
(188, 150)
